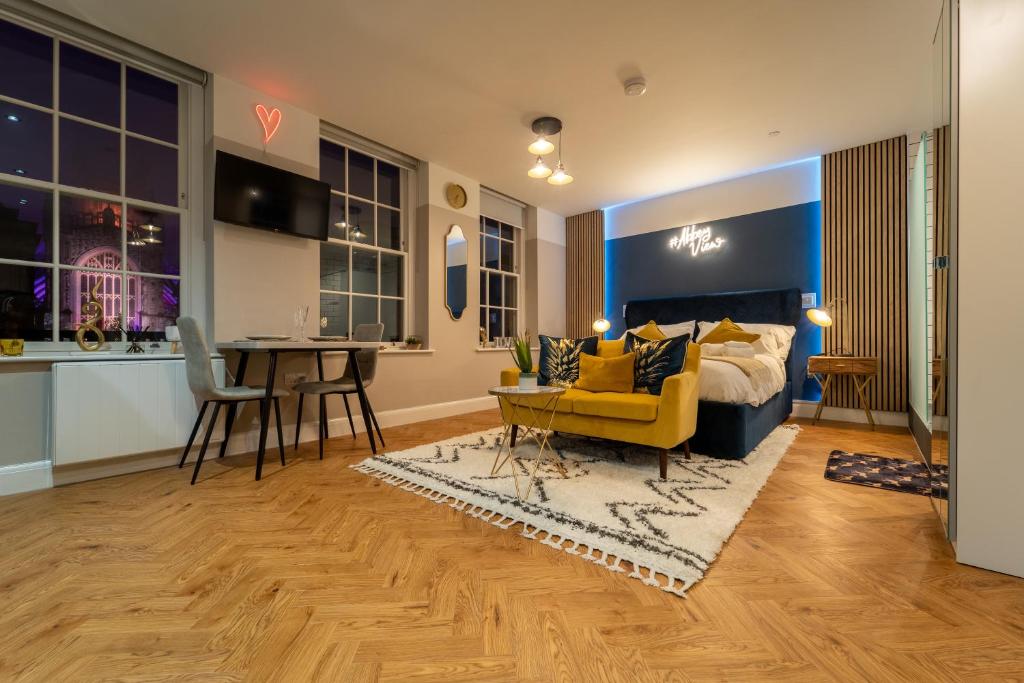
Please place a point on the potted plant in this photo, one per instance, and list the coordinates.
(523, 357)
(412, 342)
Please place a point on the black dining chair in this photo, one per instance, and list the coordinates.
(201, 382)
(345, 385)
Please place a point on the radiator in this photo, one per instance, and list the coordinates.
(109, 409)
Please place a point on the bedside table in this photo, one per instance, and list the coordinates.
(862, 369)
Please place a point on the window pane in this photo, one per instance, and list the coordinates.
(26, 224)
(337, 225)
(26, 65)
(334, 307)
(391, 275)
(483, 323)
(491, 252)
(90, 233)
(332, 165)
(26, 142)
(507, 232)
(483, 242)
(151, 172)
(154, 242)
(362, 227)
(25, 293)
(491, 227)
(360, 174)
(388, 185)
(90, 157)
(391, 316)
(493, 323)
(494, 289)
(364, 272)
(75, 289)
(389, 228)
(364, 310)
(483, 288)
(155, 304)
(334, 267)
(510, 291)
(90, 85)
(510, 324)
(151, 105)
(508, 263)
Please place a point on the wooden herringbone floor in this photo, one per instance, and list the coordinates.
(318, 572)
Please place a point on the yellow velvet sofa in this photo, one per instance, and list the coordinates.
(661, 422)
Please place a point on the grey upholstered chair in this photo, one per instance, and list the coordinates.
(203, 385)
(344, 385)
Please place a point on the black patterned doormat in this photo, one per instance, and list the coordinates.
(893, 474)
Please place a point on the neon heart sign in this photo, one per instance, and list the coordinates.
(271, 121)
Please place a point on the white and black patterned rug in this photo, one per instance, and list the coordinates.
(612, 509)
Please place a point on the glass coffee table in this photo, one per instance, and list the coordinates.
(533, 410)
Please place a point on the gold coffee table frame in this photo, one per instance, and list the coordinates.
(535, 417)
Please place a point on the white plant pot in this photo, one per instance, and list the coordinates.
(527, 380)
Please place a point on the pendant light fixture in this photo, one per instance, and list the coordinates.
(546, 127)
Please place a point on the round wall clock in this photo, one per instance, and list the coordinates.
(456, 195)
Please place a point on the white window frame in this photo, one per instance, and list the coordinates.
(403, 222)
(516, 273)
(57, 190)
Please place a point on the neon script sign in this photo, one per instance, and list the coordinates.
(697, 240)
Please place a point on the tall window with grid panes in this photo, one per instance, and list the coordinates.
(91, 170)
(499, 278)
(363, 262)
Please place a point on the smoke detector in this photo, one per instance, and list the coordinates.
(635, 87)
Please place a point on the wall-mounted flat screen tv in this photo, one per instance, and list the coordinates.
(260, 196)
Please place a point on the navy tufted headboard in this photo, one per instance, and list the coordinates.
(777, 306)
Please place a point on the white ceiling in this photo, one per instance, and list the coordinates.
(457, 82)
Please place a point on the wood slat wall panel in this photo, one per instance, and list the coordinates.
(864, 246)
(941, 248)
(584, 272)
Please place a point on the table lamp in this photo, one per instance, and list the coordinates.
(831, 314)
(601, 325)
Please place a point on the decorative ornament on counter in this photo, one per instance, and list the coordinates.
(94, 312)
(12, 347)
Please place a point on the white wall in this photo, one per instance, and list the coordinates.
(546, 291)
(796, 183)
(990, 466)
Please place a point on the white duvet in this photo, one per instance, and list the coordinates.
(726, 383)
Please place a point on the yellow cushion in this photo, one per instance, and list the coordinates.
(727, 330)
(606, 374)
(642, 407)
(651, 331)
(609, 348)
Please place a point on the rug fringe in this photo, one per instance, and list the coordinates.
(550, 539)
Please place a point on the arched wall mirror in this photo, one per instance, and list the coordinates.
(456, 257)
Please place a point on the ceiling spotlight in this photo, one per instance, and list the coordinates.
(635, 87)
(19, 171)
(543, 128)
(560, 177)
(539, 169)
(13, 118)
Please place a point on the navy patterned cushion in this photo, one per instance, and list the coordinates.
(560, 359)
(655, 361)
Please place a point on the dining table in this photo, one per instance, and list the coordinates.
(273, 348)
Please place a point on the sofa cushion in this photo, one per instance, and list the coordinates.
(609, 348)
(642, 407)
(560, 359)
(606, 374)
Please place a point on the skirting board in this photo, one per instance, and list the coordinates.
(882, 417)
(29, 476)
(40, 475)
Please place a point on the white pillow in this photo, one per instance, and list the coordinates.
(673, 330)
(712, 350)
(739, 349)
(775, 339)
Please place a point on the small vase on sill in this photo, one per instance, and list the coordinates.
(528, 380)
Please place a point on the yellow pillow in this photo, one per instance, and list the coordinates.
(609, 348)
(606, 374)
(651, 332)
(727, 330)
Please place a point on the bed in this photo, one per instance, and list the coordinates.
(728, 429)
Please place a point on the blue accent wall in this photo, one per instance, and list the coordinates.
(771, 249)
